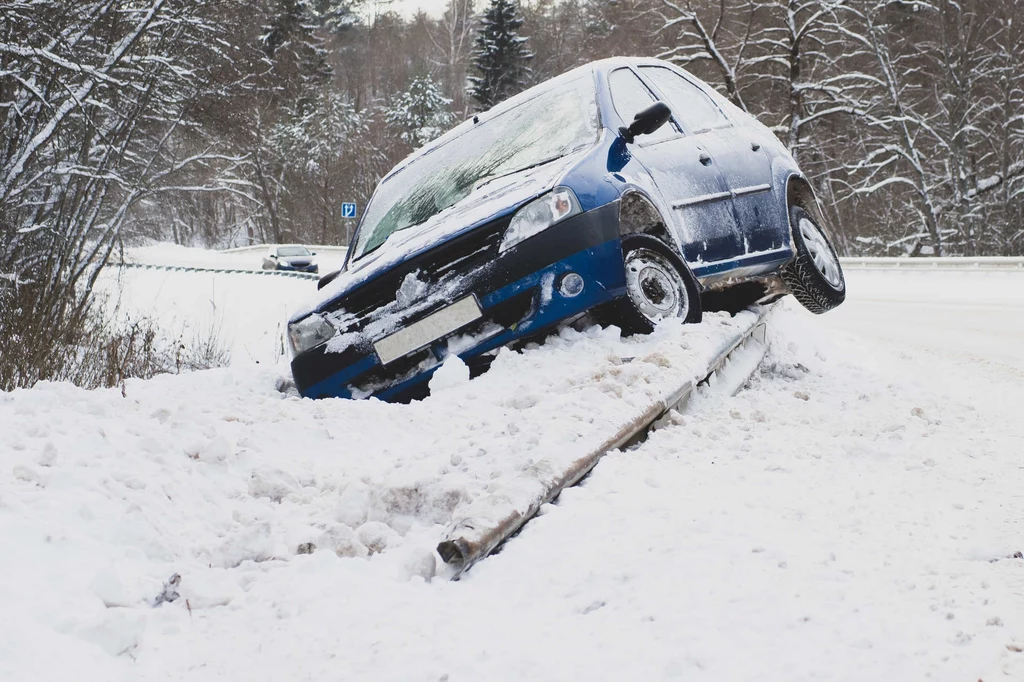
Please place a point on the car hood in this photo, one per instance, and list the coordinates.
(498, 197)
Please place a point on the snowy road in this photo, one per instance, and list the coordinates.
(850, 516)
(972, 319)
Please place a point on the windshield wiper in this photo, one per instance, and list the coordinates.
(491, 178)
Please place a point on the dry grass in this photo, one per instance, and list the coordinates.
(85, 346)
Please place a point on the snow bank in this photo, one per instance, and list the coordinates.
(850, 516)
(246, 315)
(219, 476)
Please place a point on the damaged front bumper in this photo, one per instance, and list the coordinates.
(525, 291)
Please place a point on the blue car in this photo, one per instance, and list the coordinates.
(626, 189)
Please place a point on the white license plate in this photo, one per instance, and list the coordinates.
(429, 329)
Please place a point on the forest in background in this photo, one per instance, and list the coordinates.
(223, 122)
(226, 122)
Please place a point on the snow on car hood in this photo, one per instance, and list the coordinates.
(489, 201)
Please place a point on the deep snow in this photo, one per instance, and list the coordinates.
(849, 516)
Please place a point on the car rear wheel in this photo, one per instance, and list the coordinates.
(814, 275)
(658, 286)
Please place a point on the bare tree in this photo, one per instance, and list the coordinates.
(701, 31)
(92, 96)
(453, 43)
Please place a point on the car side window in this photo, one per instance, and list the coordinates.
(696, 111)
(630, 96)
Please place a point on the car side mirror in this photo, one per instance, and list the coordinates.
(273, 255)
(312, 253)
(647, 121)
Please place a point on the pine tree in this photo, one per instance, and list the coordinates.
(297, 53)
(500, 55)
(421, 113)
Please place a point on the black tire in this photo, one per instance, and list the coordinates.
(818, 284)
(626, 313)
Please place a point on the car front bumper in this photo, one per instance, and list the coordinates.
(519, 296)
(312, 267)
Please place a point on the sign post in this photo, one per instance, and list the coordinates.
(348, 212)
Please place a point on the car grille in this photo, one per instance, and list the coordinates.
(462, 254)
(507, 314)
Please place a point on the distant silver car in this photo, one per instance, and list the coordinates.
(291, 257)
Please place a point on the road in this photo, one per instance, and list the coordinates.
(972, 319)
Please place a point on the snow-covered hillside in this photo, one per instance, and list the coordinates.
(245, 258)
(242, 314)
(852, 515)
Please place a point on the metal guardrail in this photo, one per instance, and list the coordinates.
(943, 263)
(492, 519)
(232, 271)
(259, 248)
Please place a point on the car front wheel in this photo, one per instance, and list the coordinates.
(814, 275)
(658, 286)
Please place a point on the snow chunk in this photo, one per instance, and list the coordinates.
(272, 483)
(418, 562)
(354, 504)
(210, 588)
(453, 372)
(342, 540)
(117, 631)
(377, 536)
(115, 587)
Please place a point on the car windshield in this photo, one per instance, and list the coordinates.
(549, 126)
(293, 251)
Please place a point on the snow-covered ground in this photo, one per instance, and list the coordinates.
(245, 315)
(851, 515)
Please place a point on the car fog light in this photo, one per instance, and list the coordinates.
(571, 285)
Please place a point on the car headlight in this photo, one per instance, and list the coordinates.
(538, 215)
(309, 332)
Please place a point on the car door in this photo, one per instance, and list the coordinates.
(701, 218)
(737, 151)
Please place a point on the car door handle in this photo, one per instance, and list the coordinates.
(705, 158)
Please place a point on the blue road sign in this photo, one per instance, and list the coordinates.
(348, 210)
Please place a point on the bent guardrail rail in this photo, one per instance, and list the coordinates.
(261, 248)
(492, 519)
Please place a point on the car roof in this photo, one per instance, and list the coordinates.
(500, 107)
(607, 64)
